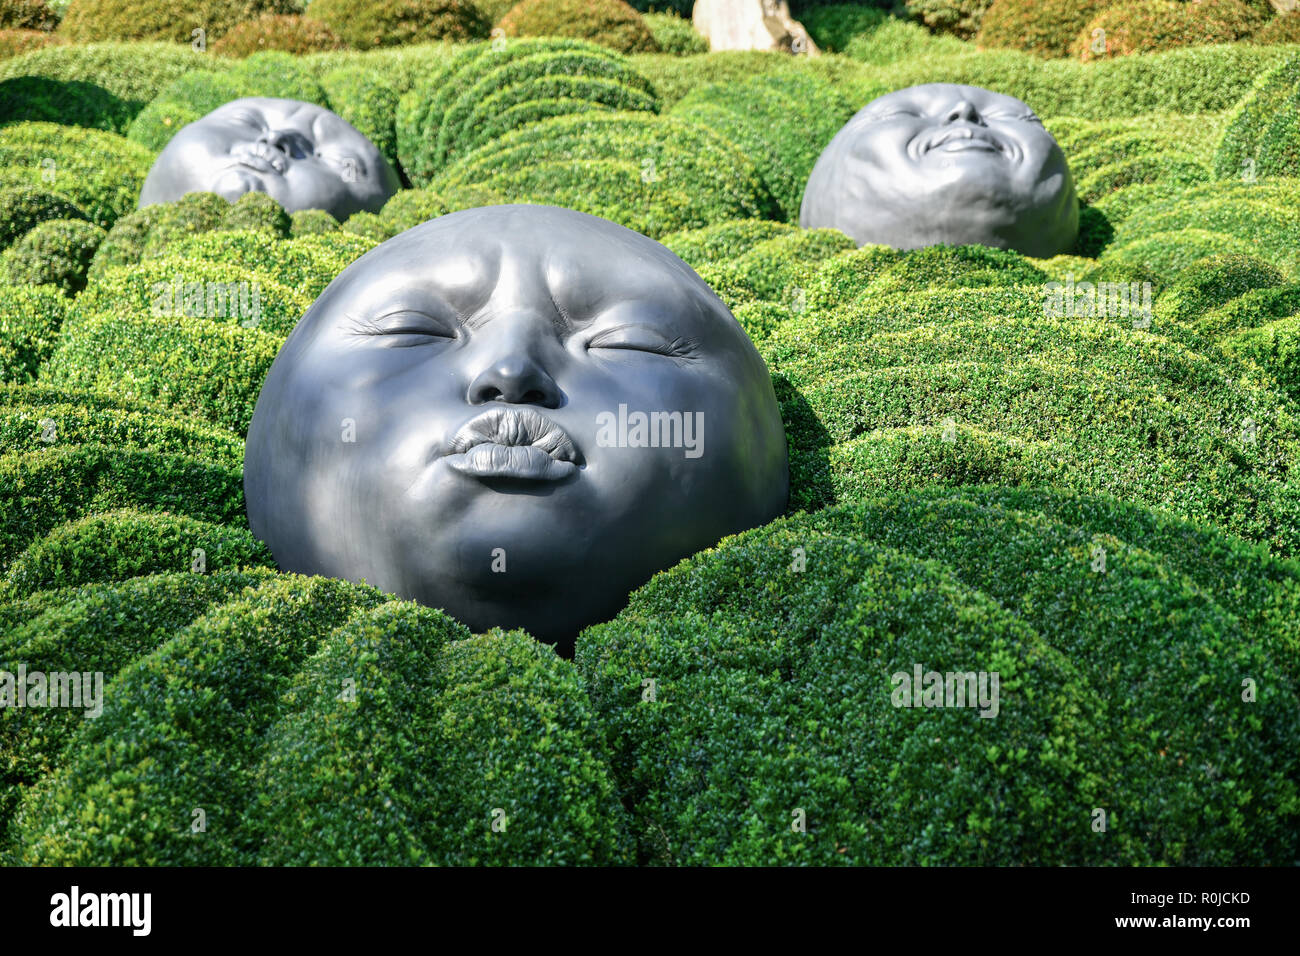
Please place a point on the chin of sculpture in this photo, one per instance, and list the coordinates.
(945, 164)
(517, 414)
(301, 154)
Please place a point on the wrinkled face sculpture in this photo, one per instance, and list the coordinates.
(514, 413)
(302, 155)
(949, 164)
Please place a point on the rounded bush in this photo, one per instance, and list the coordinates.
(1283, 28)
(1210, 283)
(128, 543)
(87, 21)
(1178, 168)
(27, 15)
(951, 386)
(897, 41)
(610, 23)
(959, 17)
(776, 659)
(675, 35)
(369, 104)
(30, 317)
(257, 212)
(101, 628)
(778, 270)
(1144, 26)
(400, 22)
(61, 482)
(311, 222)
(101, 173)
(1275, 348)
(22, 208)
(1042, 27)
(151, 231)
(782, 123)
(16, 42)
(653, 174)
(291, 33)
(483, 92)
(724, 240)
(832, 27)
(40, 416)
(1262, 137)
(57, 252)
(475, 751)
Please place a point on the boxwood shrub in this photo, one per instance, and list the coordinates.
(87, 21)
(400, 22)
(1144, 26)
(1261, 134)
(127, 543)
(14, 42)
(151, 231)
(653, 174)
(483, 92)
(22, 208)
(1042, 27)
(100, 173)
(368, 103)
(610, 23)
(456, 751)
(57, 252)
(773, 657)
(101, 628)
(778, 270)
(782, 123)
(63, 482)
(30, 317)
(674, 34)
(196, 366)
(290, 32)
(311, 222)
(27, 15)
(724, 240)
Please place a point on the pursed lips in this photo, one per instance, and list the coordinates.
(264, 159)
(513, 443)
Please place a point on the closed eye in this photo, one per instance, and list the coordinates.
(633, 338)
(404, 328)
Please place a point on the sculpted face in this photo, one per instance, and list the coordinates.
(514, 413)
(302, 155)
(943, 163)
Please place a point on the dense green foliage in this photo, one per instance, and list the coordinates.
(609, 23)
(277, 31)
(88, 21)
(57, 252)
(385, 23)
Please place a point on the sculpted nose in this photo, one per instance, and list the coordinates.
(965, 110)
(517, 380)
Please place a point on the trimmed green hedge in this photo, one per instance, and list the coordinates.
(128, 543)
(291, 33)
(772, 658)
(193, 96)
(484, 92)
(958, 385)
(1261, 138)
(1042, 27)
(30, 317)
(87, 21)
(609, 23)
(151, 231)
(653, 174)
(22, 208)
(400, 22)
(782, 123)
(40, 416)
(675, 34)
(959, 17)
(1144, 26)
(778, 270)
(456, 751)
(64, 482)
(27, 15)
(100, 173)
(724, 241)
(101, 629)
(101, 85)
(196, 366)
(57, 252)
(368, 103)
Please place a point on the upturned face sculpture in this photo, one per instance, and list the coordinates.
(945, 164)
(301, 154)
(514, 413)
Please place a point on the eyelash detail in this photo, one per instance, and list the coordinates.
(433, 330)
(679, 347)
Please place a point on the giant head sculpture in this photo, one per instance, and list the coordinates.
(301, 154)
(945, 164)
(514, 413)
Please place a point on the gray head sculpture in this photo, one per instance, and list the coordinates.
(945, 164)
(301, 154)
(514, 413)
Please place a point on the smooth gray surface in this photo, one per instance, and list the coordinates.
(475, 355)
(945, 164)
(303, 155)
